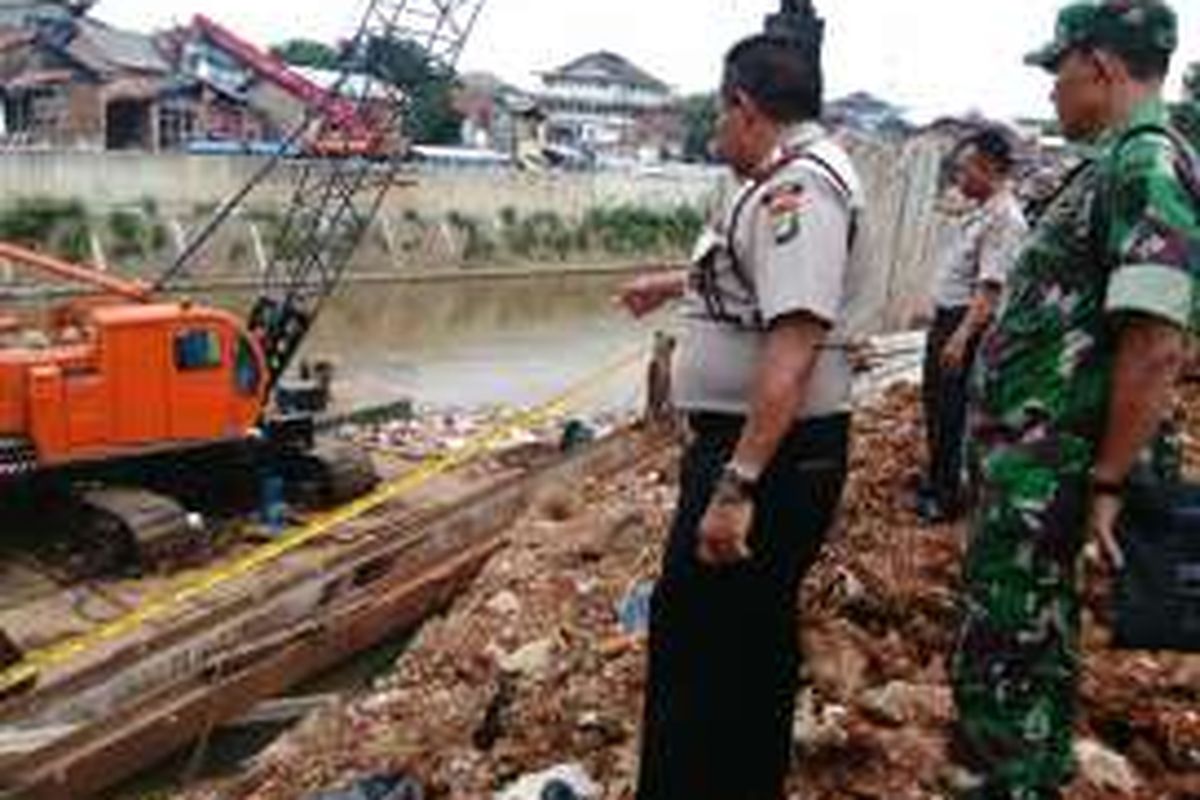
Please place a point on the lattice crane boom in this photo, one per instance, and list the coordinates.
(334, 200)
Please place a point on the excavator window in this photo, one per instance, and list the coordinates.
(247, 376)
(197, 349)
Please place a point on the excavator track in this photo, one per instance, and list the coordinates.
(330, 474)
(137, 526)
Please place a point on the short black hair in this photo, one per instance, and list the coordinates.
(1143, 64)
(1146, 65)
(994, 145)
(783, 79)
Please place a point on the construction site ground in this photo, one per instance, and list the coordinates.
(531, 668)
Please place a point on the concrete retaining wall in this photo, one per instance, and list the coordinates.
(181, 183)
(903, 238)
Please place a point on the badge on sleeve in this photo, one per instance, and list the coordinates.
(784, 206)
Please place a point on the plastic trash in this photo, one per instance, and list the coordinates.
(564, 782)
(376, 787)
(274, 508)
(558, 790)
(633, 612)
(576, 433)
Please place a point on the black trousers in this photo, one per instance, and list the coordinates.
(724, 648)
(944, 397)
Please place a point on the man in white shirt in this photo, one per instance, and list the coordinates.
(970, 280)
(763, 375)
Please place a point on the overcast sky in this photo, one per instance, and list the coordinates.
(931, 56)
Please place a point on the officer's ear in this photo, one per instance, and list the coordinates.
(740, 99)
(1109, 67)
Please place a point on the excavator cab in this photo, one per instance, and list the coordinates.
(122, 379)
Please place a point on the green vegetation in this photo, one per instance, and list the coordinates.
(479, 245)
(626, 231)
(128, 233)
(307, 53)
(430, 117)
(133, 234)
(700, 124)
(634, 230)
(59, 226)
(137, 232)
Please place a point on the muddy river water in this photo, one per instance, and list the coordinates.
(470, 343)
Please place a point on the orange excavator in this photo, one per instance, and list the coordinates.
(122, 373)
(135, 411)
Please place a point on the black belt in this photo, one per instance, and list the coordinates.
(829, 428)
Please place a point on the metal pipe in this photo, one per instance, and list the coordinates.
(132, 290)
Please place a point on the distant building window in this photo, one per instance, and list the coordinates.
(40, 110)
(176, 124)
(197, 349)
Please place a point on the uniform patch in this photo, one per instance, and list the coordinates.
(786, 226)
(785, 205)
(789, 197)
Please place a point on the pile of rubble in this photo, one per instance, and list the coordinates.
(430, 432)
(541, 663)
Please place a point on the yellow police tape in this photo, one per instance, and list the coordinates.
(194, 586)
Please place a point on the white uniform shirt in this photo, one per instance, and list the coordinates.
(983, 250)
(779, 246)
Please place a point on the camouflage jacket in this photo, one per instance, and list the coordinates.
(1122, 236)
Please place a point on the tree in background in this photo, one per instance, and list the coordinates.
(307, 53)
(699, 122)
(431, 117)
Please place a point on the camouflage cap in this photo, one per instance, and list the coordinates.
(1124, 26)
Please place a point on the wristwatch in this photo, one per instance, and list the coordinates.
(735, 486)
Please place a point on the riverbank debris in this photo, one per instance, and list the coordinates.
(880, 616)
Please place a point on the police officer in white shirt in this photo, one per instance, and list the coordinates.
(969, 282)
(762, 373)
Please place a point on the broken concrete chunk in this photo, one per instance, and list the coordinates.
(1104, 768)
(819, 727)
(533, 659)
(633, 611)
(901, 703)
(504, 603)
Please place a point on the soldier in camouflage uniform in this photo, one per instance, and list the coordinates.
(1070, 390)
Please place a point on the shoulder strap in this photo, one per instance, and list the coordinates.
(839, 182)
(1187, 168)
(739, 208)
(1067, 181)
(715, 307)
(1189, 175)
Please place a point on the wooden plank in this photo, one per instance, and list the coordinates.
(16, 741)
(92, 760)
(285, 709)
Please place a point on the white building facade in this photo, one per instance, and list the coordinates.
(603, 104)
